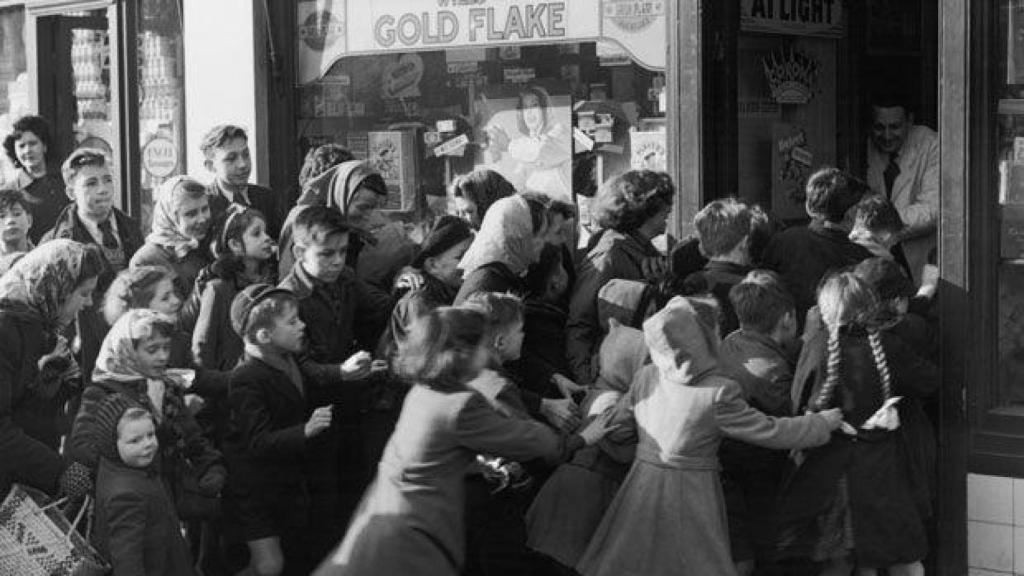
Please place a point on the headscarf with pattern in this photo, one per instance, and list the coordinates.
(506, 235)
(165, 230)
(42, 280)
(118, 359)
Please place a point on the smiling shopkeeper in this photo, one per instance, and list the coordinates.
(226, 152)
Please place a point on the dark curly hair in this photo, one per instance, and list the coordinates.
(321, 159)
(36, 125)
(482, 187)
(831, 192)
(625, 202)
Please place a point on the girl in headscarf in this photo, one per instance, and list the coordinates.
(510, 239)
(669, 515)
(39, 298)
(179, 239)
(133, 362)
(357, 191)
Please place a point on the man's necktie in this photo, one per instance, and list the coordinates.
(892, 170)
(109, 240)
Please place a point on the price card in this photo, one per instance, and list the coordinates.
(454, 147)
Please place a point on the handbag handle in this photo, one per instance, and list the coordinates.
(86, 505)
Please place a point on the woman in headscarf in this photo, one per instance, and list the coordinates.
(38, 177)
(510, 239)
(39, 298)
(669, 515)
(179, 237)
(357, 191)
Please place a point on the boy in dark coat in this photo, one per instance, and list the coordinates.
(756, 356)
(226, 152)
(136, 524)
(342, 322)
(802, 255)
(723, 227)
(281, 463)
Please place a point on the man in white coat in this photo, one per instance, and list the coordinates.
(903, 165)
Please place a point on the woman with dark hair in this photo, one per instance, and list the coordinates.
(631, 209)
(539, 158)
(475, 192)
(411, 520)
(38, 177)
(39, 297)
(510, 239)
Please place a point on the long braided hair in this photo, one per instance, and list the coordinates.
(847, 301)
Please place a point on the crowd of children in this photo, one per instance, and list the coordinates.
(489, 400)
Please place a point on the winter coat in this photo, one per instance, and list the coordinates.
(411, 518)
(272, 466)
(613, 255)
(717, 279)
(493, 277)
(543, 350)
(805, 254)
(215, 345)
(31, 423)
(668, 517)
(880, 488)
(137, 528)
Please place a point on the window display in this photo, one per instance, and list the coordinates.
(13, 79)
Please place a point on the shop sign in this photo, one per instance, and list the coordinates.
(328, 30)
(799, 17)
(160, 157)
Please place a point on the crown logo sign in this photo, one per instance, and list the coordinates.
(791, 76)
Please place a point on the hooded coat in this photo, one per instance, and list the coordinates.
(502, 251)
(669, 516)
(390, 248)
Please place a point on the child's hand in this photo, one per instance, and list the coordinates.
(565, 386)
(319, 421)
(597, 429)
(357, 367)
(562, 414)
(833, 416)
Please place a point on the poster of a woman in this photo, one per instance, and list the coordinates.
(529, 141)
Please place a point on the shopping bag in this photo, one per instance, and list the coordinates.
(36, 539)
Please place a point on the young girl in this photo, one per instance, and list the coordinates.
(133, 361)
(411, 518)
(669, 515)
(860, 480)
(155, 288)
(136, 525)
(244, 254)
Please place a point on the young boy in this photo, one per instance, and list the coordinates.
(876, 226)
(281, 460)
(723, 227)
(226, 152)
(92, 218)
(756, 357)
(15, 222)
(342, 322)
(137, 527)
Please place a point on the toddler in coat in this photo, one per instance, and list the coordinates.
(136, 524)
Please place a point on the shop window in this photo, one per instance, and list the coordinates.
(424, 117)
(161, 98)
(13, 77)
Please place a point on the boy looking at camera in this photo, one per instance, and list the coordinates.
(282, 463)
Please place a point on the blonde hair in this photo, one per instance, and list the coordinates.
(845, 300)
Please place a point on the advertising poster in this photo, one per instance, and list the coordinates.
(391, 153)
(648, 151)
(791, 168)
(528, 130)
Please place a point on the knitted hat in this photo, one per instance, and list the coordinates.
(246, 300)
(106, 417)
(447, 232)
(886, 277)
